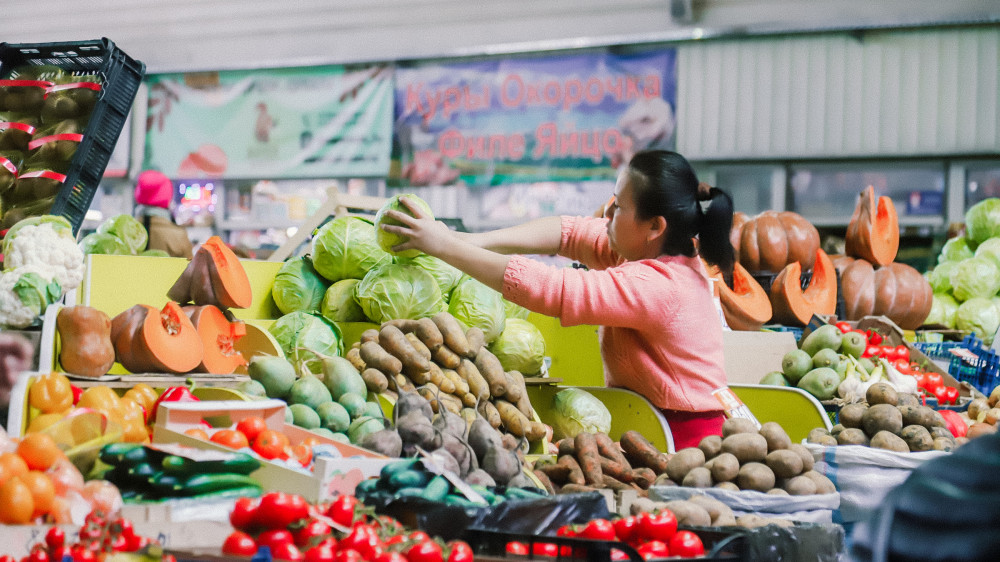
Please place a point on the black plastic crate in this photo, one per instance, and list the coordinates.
(121, 76)
(720, 545)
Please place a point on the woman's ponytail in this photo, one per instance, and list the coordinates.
(713, 235)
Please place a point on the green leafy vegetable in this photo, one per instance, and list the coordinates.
(396, 291)
(520, 347)
(127, 229)
(346, 248)
(575, 411)
(475, 304)
(339, 304)
(386, 240)
(297, 286)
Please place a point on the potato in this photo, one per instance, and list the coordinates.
(682, 463)
(698, 477)
(882, 417)
(977, 406)
(881, 393)
(889, 441)
(644, 505)
(980, 428)
(711, 445)
(689, 513)
(917, 438)
(816, 434)
(836, 429)
(664, 480)
(724, 467)
(850, 415)
(784, 463)
(920, 415)
(751, 521)
(994, 398)
(992, 415)
(775, 436)
(714, 507)
(732, 426)
(804, 454)
(746, 447)
(727, 486)
(823, 484)
(944, 444)
(941, 432)
(907, 399)
(755, 476)
(777, 492)
(852, 436)
(800, 486)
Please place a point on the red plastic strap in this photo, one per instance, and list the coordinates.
(19, 126)
(35, 83)
(73, 85)
(8, 165)
(51, 138)
(48, 174)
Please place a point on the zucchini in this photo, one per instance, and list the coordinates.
(408, 479)
(489, 496)
(114, 453)
(523, 493)
(241, 463)
(165, 484)
(394, 467)
(437, 489)
(141, 473)
(366, 486)
(204, 483)
(461, 501)
(410, 492)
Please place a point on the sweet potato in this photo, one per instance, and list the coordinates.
(612, 483)
(476, 339)
(643, 477)
(438, 377)
(461, 386)
(452, 333)
(477, 384)
(354, 356)
(609, 449)
(450, 402)
(515, 422)
(418, 345)
(375, 356)
(515, 386)
(375, 380)
(371, 334)
(588, 457)
(491, 369)
(575, 475)
(489, 411)
(395, 342)
(641, 452)
(546, 481)
(618, 471)
(445, 357)
(429, 333)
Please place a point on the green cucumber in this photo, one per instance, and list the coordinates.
(165, 484)
(394, 467)
(410, 492)
(141, 473)
(204, 483)
(408, 479)
(523, 493)
(489, 496)
(461, 501)
(366, 486)
(241, 463)
(437, 489)
(114, 453)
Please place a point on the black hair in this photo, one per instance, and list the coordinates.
(664, 184)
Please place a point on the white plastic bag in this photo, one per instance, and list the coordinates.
(815, 508)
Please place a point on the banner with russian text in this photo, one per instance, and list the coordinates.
(284, 123)
(555, 118)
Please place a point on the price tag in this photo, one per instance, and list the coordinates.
(732, 406)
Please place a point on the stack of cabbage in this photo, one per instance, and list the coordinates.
(966, 281)
(120, 235)
(351, 275)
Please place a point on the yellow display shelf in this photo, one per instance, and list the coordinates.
(794, 409)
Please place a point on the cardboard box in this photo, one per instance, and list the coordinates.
(329, 476)
(751, 355)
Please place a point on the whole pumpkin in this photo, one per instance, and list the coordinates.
(772, 240)
(896, 291)
(739, 219)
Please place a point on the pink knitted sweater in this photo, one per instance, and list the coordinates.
(660, 333)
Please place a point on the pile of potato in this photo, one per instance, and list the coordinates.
(888, 420)
(983, 415)
(746, 458)
(450, 367)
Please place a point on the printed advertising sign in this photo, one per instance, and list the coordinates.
(287, 123)
(558, 118)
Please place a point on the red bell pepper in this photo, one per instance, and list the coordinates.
(176, 394)
(954, 422)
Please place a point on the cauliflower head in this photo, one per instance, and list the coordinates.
(25, 293)
(52, 249)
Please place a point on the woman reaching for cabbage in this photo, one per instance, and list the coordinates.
(646, 286)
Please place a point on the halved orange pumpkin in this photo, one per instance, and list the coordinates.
(745, 306)
(218, 336)
(793, 305)
(166, 342)
(873, 233)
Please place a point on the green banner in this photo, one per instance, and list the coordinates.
(287, 123)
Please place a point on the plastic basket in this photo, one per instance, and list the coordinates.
(968, 361)
(121, 76)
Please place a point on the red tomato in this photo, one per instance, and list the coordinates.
(874, 337)
(686, 545)
(565, 531)
(60, 553)
(921, 378)
(934, 380)
(545, 549)
(239, 543)
(230, 438)
(364, 539)
(7, 558)
(657, 526)
(274, 537)
(270, 444)
(302, 453)
(518, 548)
(618, 555)
(418, 536)
(458, 551)
(903, 352)
(244, 513)
(951, 394)
(83, 554)
(391, 556)
(342, 509)
(115, 543)
(311, 534)
(137, 542)
(286, 551)
(278, 510)
(322, 552)
(598, 529)
(941, 393)
(55, 538)
(251, 427)
(425, 551)
(348, 555)
(902, 365)
(844, 326)
(626, 527)
(653, 549)
(38, 555)
(871, 350)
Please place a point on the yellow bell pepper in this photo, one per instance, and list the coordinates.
(143, 395)
(104, 400)
(51, 393)
(133, 422)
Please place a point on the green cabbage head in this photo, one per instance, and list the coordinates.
(386, 240)
(989, 249)
(955, 249)
(447, 277)
(975, 277)
(520, 347)
(345, 248)
(396, 291)
(980, 316)
(940, 276)
(475, 304)
(299, 333)
(297, 286)
(127, 229)
(575, 410)
(99, 243)
(515, 310)
(339, 304)
(982, 220)
(943, 309)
